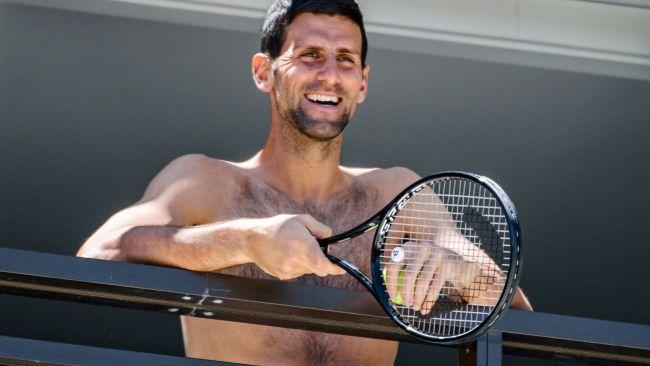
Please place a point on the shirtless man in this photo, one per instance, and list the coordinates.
(259, 218)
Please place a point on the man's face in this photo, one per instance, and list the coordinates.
(318, 78)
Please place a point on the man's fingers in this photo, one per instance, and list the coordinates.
(432, 295)
(415, 255)
(409, 277)
(421, 289)
(485, 295)
(334, 269)
(319, 230)
(423, 283)
(316, 228)
(318, 262)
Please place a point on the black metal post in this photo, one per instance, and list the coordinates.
(494, 348)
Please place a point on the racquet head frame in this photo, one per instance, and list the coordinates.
(515, 263)
(375, 284)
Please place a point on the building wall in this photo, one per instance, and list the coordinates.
(91, 107)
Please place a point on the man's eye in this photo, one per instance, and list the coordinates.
(311, 54)
(346, 59)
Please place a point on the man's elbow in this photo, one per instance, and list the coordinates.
(100, 253)
(520, 301)
(106, 248)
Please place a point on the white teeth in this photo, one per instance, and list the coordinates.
(322, 98)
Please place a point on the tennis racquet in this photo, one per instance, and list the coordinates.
(445, 260)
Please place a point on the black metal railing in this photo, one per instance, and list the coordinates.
(285, 304)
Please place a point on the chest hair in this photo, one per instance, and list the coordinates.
(344, 211)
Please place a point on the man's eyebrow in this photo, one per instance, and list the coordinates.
(309, 48)
(319, 48)
(348, 50)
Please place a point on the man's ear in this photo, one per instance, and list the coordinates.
(262, 73)
(364, 84)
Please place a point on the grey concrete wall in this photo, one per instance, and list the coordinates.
(91, 107)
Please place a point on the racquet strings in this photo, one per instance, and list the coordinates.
(446, 257)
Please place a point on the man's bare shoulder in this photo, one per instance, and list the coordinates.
(193, 170)
(389, 182)
(193, 184)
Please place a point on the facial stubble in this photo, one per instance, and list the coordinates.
(320, 130)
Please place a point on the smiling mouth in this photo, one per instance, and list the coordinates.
(324, 100)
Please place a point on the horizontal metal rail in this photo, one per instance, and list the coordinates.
(28, 352)
(287, 304)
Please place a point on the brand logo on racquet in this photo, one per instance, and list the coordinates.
(397, 255)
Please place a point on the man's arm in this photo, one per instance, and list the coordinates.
(151, 230)
(162, 229)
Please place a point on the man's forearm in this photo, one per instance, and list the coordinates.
(200, 248)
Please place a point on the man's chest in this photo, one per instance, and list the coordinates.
(343, 211)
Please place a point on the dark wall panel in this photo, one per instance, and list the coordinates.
(91, 107)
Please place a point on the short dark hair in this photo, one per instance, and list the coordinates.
(282, 12)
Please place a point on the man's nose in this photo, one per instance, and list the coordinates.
(329, 73)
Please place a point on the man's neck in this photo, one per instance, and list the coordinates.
(304, 169)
